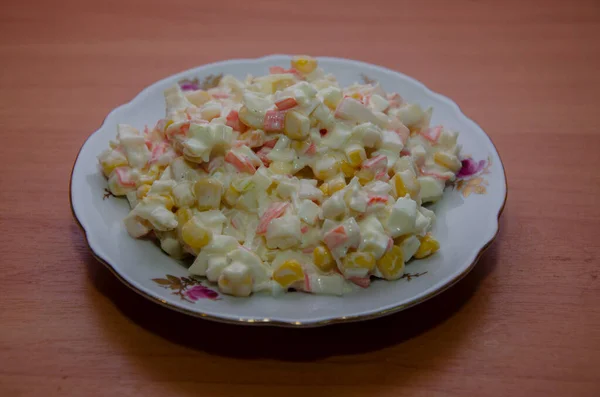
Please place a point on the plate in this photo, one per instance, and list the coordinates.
(467, 216)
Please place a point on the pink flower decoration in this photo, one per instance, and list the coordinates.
(470, 167)
(189, 85)
(200, 292)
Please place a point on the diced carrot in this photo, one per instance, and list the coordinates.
(294, 72)
(362, 282)
(434, 174)
(280, 70)
(161, 125)
(233, 121)
(274, 211)
(255, 139)
(358, 96)
(307, 286)
(124, 176)
(276, 70)
(432, 134)
(308, 250)
(271, 143)
(382, 176)
(220, 95)
(286, 103)
(395, 100)
(377, 200)
(335, 237)
(182, 130)
(214, 163)
(158, 149)
(403, 133)
(240, 162)
(376, 164)
(262, 155)
(367, 99)
(274, 120)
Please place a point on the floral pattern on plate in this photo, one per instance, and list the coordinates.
(469, 179)
(189, 289)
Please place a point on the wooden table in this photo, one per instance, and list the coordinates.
(525, 322)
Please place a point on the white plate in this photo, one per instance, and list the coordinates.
(467, 217)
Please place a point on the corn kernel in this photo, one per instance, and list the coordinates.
(288, 273)
(323, 259)
(304, 64)
(359, 260)
(300, 146)
(198, 97)
(272, 188)
(231, 196)
(162, 199)
(183, 215)
(324, 188)
(109, 166)
(391, 264)
(332, 97)
(347, 169)
(411, 188)
(447, 160)
(400, 239)
(195, 235)
(428, 246)
(305, 173)
(401, 190)
(281, 167)
(242, 184)
(357, 95)
(152, 175)
(296, 125)
(364, 176)
(168, 201)
(326, 167)
(142, 191)
(356, 154)
(336, 184)
(281, 85)
(208, 192)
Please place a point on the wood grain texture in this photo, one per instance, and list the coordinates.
(525, 322)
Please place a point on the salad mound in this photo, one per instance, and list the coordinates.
(285, 181)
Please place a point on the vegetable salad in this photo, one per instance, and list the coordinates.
(285, 181)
